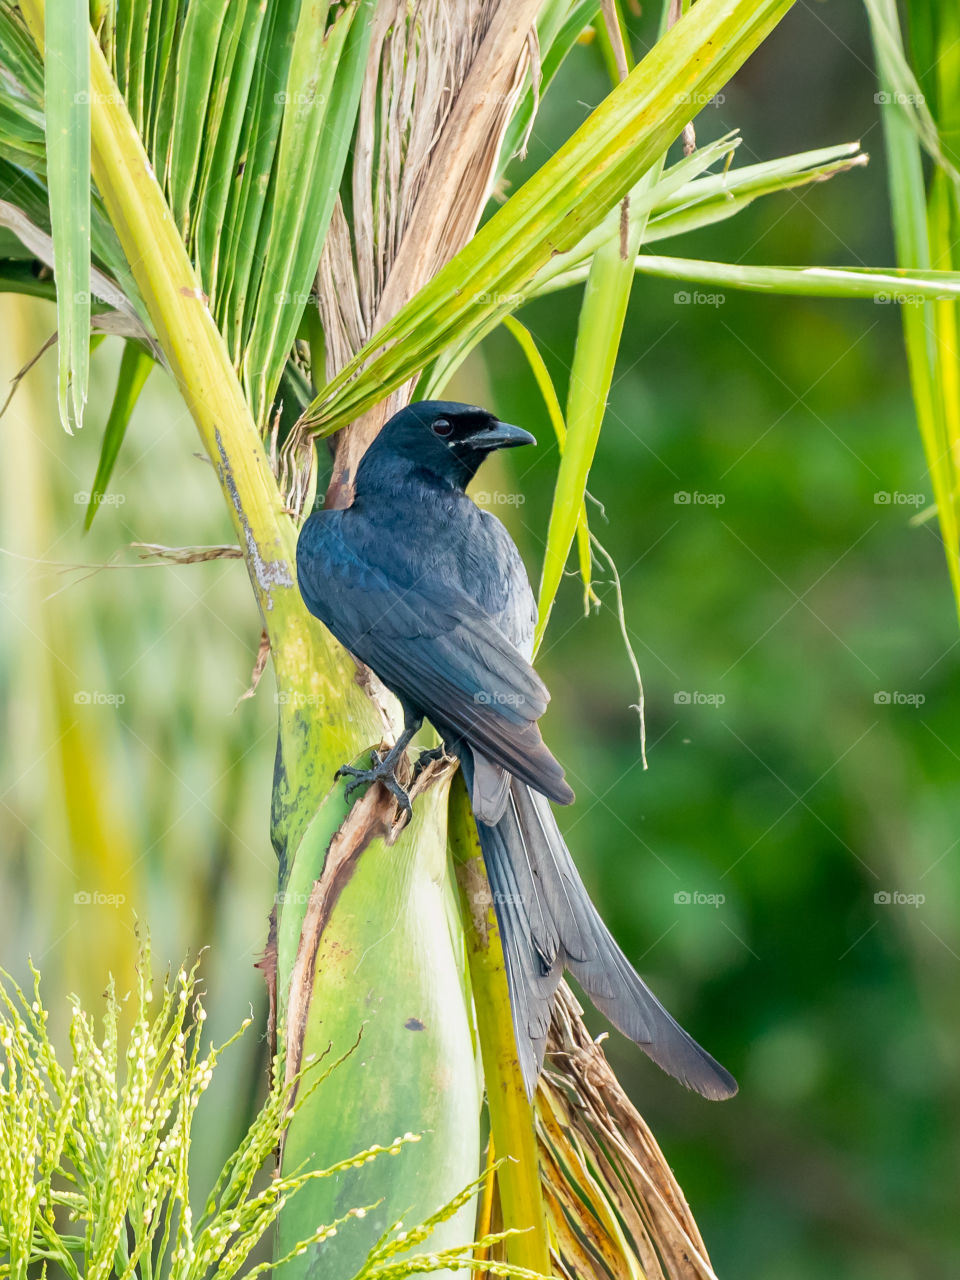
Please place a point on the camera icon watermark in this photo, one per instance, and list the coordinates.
(94, 898)
(98, 698)
(898, 299)
(886, 98)
(297, 698)
(488, 498)
(299, 99)
(697, 898)
(284, 298)
(498, 299)
(896, 698)
(697, 298)
(83, 498)
(694, 498)
(697, 698)
(483, 698)
(86, 96)
(894, 498)
(897, 898)
(697, 100)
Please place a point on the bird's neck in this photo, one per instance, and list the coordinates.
(396, 474)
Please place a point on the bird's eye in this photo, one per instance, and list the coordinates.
(443, 428)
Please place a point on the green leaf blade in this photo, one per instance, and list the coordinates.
(67, 85)
(194, 80)
(602, 315)
(323, 92)
(135, 366)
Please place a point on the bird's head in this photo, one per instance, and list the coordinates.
(448, 439)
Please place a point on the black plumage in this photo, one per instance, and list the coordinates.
(430, 592)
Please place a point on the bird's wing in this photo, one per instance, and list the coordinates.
(434, 646)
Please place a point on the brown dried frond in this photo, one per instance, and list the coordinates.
(259, 666)
(614, 1206)
(441, 85)
(188, 555)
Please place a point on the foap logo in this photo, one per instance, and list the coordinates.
(97, 698)
(94, 898)
(299, 99)
(297, 698)
(896, 99)
(897, 898)
(499, 299)
(288, 897)
(107, 99)
(697, 898)
(686, 498)
(898, 299)
(699, 100)
(283, 298)
(485, 898)
(696, 298)
(487, 498)
(84, 498)
(896, 698)
(697, 698)
(885, 498)
(485, 699)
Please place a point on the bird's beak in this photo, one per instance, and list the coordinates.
(500, 436)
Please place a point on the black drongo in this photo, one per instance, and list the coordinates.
(430, 592)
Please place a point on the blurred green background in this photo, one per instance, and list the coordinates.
(799, 649)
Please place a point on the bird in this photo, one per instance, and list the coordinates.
(429, 591)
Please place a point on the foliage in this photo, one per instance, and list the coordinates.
(95, 1156)
(925, 221)
(211, 242)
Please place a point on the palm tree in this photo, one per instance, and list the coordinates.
(285, 206)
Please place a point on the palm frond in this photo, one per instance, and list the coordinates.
(615, 1207)
(562, 202)
(925, 235)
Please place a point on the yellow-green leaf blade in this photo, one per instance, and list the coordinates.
(896, 285)
(598, 338)
(552, 401)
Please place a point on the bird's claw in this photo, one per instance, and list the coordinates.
(429, 756)
(383, 769)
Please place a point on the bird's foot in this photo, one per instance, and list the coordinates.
(382, 769)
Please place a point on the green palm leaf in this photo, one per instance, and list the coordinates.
(565, 199)
(67, 96)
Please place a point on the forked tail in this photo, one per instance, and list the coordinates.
(548, 924)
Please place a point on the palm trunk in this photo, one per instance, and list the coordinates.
(371, 959)
(371, 976)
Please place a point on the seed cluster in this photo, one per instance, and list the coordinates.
(95, 1156)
